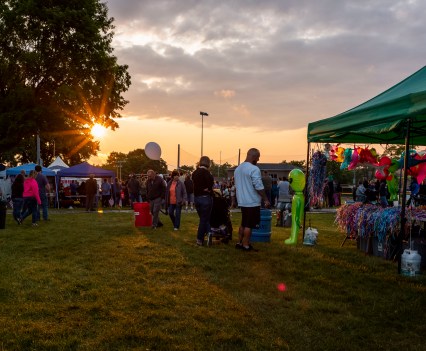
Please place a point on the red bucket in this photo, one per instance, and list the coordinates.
(143, 216)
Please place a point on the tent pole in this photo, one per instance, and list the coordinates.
(306, 191)
(404, 197)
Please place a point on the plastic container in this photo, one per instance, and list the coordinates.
(143, 217)
(263, 234)
(410, 263)
(378, 247)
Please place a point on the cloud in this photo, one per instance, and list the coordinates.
(263, 63)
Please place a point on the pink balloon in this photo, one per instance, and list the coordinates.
(355, 159)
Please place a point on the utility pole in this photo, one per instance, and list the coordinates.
(202, 114)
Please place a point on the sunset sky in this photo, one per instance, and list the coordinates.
(262, 70)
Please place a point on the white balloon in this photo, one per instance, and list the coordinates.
(153, 150)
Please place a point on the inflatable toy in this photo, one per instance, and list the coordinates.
(297, 183)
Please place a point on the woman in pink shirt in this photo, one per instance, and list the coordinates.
(31, 198)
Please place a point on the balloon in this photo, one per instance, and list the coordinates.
(385, 162)
(393, 187)
(365, 156)
(333, 151)
(355, 159)
(327, 148)
(340, 154)
(347, 158)
(153, 151)
(394, 166)
(381, 174)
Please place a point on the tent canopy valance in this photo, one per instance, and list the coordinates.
(381, 120)
(85, 170)
(27, 168)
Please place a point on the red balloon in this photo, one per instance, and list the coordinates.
(381, 174)
(385, 161)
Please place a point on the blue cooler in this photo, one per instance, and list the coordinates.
(263, 234)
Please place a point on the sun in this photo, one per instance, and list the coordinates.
(98, 131)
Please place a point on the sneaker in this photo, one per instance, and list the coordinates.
(35, 225)
(175, 228)
(19, 220)
(238, 245)
(153, 227)
(159, 224)
(199, 242)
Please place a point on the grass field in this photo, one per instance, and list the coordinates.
(92, 281)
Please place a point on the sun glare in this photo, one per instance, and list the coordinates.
(98, 131)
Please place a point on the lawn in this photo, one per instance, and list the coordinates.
(92, 281)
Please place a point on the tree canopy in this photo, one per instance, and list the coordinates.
(135, 162)
(58, 77)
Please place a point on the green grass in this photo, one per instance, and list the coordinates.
(92, 281)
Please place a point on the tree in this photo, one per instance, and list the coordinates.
(301, 164)
(58, 78)
(394, 151)
(186, 168)
(135, 162)
(220, 171)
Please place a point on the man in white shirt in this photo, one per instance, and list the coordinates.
(250, 193)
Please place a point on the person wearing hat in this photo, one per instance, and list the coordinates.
(43, 186)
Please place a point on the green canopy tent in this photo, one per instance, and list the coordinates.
(381, 120)
(396, 116)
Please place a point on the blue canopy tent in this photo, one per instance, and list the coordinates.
(27, 168)
(85, 170)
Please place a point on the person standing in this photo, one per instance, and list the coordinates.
(116, 192)
(31, 198)
(233, 194)
(106, 192)
(284, 195)
(43, 186)
(189, 187)
(203, 190)
(267, 185)
(17, 197)
(155, 191)
(133, 187)
(175, 197)
(91, 189)
(250, 193)
(274, 193)
(383, 191)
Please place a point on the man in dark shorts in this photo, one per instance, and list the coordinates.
(250, 193)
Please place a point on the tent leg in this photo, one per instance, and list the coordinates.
(404, 196)
(306, 191)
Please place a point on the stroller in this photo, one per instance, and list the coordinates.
(220, 220)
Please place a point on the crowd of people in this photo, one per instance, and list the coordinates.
(29, 196)
(171, 194)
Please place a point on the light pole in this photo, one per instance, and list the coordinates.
(202, 127)
(119, 165)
